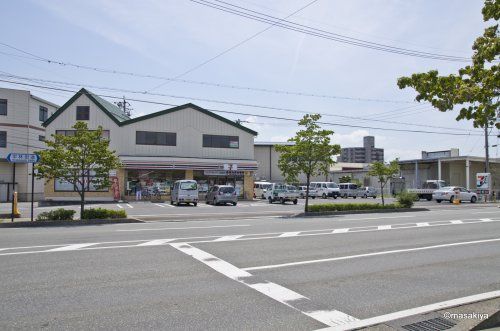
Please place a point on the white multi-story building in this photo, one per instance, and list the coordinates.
(21, 131)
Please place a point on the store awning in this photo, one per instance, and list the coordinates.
(150, 162)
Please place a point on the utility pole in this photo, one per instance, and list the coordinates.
(124, 105)
(487, 149)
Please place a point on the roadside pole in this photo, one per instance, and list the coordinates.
(32, 188)
(13, 190)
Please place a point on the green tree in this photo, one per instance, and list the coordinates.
(311, 154)
(83, 160)
(345, 179)
(384, 172)
(476, 87)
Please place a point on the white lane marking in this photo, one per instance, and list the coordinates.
(384, 227)
(229, 238)
(184, 228)
(289, 234)
(423, 224)
(210, 239)
(119, 206)
(169, 205)
(129, 205)
(486, 220)
(456, 222)
(487, 212)
(70, 247)
(156, 242)
(340, 258)
(272, 290)
(415, 311)
(344, 230)
(159, 205)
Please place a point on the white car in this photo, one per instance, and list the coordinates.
(449, 193)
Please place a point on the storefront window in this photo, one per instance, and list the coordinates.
(150, 180)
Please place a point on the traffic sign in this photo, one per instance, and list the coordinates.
(23, 158)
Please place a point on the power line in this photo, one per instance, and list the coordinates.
(247, 105)
(261, 17)
(256, 115)
(238, 44)
(186, 81)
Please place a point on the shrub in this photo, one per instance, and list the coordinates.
(349, 206)
(59, 214)
(406, 199)
(102, 213)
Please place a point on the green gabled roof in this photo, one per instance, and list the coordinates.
(193, 106)
(117, 115)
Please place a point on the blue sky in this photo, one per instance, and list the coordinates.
(166, 38)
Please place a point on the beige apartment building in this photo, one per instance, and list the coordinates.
(184, 142)
(21, 131)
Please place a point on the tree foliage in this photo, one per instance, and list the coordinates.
(83, 160)
(311, 152)
(384, 172)
(476, 87)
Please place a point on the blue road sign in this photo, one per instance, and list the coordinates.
(23, 158)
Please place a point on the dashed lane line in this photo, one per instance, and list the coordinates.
(277, 292)
(349, 257)
(415, 311)
(184, 228)
(241, 237)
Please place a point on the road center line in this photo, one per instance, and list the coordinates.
(348, 257)
(415, 311)
(70, 247)
(277, 292)
(184, 228)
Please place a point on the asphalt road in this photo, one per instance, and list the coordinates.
(263, 273)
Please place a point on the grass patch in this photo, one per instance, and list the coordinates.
(321, 207)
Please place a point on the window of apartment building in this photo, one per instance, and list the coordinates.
(216, 141)
(82, 113)
(105, 133)
(3, 107)
(156, 138)
(43, 113)
(3, 138)
(41, 138)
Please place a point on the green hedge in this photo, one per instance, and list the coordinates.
(102, 214)
(350, 206)
(406, 199)
(59, 214)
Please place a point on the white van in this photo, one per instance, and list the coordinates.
(325, 189)
(260, 188)
(349, 190)
(184, 191)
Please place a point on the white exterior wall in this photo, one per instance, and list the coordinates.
(23, 130)
(189, 125)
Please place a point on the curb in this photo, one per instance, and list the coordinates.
(368, 211)
(24, 224)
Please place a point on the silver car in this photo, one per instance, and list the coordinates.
(222, 194)
(368, 191)
(449, 193)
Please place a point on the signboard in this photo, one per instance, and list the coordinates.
(483, 180)
(222, 173)
(23, 158)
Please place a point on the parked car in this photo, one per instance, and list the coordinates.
(222, 194)
(279, 192)
(184, 191)
(260, 188)
(349, 190)
(368, 191)
(449, 193)
(326, 189)
(303, 189)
